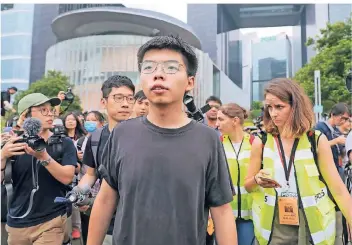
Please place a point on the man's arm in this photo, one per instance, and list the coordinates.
(225, 225)
(89, 178)
(64, 174)
(106, 200)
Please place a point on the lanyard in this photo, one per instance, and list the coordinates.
(239, 149)
(287, 169)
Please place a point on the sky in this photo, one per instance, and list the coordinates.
(179, 11)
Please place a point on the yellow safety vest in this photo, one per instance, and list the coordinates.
(318, 209)
(242, 202)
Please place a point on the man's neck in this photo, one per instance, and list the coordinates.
(236, 135)
(112, 123)
(170, 116)
(211, 122)
(45, 134)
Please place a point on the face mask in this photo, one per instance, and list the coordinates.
(90, 126)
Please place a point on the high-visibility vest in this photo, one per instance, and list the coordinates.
(242, 202)
(312, 193)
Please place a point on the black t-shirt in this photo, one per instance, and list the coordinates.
(167, 179)
(44, 208)
(88, 159)
(5, 96)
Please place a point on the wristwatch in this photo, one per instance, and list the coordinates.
(45, 163)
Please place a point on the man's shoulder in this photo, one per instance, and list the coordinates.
(321, 126)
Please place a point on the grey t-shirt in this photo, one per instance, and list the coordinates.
(166, 180)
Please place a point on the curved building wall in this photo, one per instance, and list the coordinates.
(16, 44)
(89, 61)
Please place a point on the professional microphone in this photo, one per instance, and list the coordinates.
(32, 126)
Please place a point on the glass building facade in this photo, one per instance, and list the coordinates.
(339, 12)
(89, 61)
(16, 43)
(271, 58)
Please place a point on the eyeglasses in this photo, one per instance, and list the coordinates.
(344, 119)
(45, 111)
(118, 98)
(169, 67)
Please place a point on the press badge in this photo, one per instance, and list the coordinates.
(288, 211)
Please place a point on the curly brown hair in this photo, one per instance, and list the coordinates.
(301, 118)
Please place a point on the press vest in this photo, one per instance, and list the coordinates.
(317, 207)
(242, 202)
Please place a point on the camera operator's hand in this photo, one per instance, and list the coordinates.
(13, 149)
(61, 95)
(41, 156)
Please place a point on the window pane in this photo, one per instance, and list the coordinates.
(15, 69)
(16, 45)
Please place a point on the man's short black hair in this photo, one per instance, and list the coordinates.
(213, 98)
(140, 95)
(339, 109)
(14, 88)
(116, 81)
(174, 43)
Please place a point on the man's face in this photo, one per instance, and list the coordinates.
(159, 86)
(141, 107)
(119, 103)
(45, 114)
(212, 113)
(341, 119)
(12, 91)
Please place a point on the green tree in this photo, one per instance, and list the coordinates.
(334, 60)
(50, 85)
(256, 105)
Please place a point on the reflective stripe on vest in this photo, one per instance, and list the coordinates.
(318, 208)
(242, 198)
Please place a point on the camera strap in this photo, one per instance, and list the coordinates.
(35, 171)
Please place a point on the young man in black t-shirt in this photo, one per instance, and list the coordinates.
(118, 100)
(44, 173)
(164, 171)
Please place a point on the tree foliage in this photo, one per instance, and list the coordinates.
(50, 85)
(334, 60)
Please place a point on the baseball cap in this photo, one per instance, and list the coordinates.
(35, 99)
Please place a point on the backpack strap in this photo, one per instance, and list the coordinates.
(7, 182)
(263, 138)
(81, 141)
(313, 140)
(251, 138)
(95, 139)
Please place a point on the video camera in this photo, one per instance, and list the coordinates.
(193, 112)
(59, 132)
(69, 96)
(32, 127)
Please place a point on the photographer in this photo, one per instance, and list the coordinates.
(33, 217)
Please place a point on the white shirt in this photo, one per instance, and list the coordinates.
(280, 175)
(236, 146)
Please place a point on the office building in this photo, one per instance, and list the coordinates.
(95, 43)
(16, 44)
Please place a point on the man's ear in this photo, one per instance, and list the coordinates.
(190, 83)
(103, 103)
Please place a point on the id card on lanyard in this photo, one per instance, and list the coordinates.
(288, 206)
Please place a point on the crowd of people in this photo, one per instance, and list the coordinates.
(155, 176)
